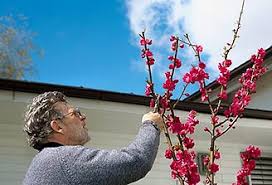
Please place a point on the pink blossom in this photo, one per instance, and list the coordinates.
(148, 53)
(172, 38)
(174, 124)
(177, 63)
(192, 114)
(171, 58)
(169, 84)
(227, 63)
(253, 58)
(250, 85)
(174, 45)
(254, 152)
(223, 95)
(201, 65)
(222, 80)
(164, 102)
(217, 155)
(146, 41)
(204, 95)
(150, 61)
(187, 78)
(171, 66)
(213, 168)
(223, 69)
(261, 52)
(214, 119)
(188, 142)
(189, 125)
(250, 165)
(168, 153)
(199, 48)
(148, 89)
(218, 132)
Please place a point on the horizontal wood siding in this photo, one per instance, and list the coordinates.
(111, 125)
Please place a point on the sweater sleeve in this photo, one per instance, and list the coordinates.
(115, 167)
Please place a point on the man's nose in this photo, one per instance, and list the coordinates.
(83, 117)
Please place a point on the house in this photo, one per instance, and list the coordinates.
(113, 120)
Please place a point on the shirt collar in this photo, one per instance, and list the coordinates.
(50, 144)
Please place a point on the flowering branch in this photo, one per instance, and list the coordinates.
(162, 104)
(223, 67)
(183, 166)
(146, 53)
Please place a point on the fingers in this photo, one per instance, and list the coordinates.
(154, 117)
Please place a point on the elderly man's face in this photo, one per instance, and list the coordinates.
(73, 124)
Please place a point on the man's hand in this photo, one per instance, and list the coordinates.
(155, 117)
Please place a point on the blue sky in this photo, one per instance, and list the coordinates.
(85, 44)
(93, 43)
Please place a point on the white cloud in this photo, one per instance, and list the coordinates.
(208, 22)
(211, 23)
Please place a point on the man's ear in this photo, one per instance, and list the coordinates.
(56, 126)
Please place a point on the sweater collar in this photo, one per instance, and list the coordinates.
(50, 144)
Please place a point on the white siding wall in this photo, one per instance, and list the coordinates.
(262, 99)
(14, 155)
(111, 125)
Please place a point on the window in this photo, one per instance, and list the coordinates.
(201, 168)
(263, 171)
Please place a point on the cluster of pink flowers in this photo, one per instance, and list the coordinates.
(174, 43)
(198, 74)
(169, 84)
(248, 80)
(185, 167)
(176, 127)
(148, 89)
(176, 62)
(212, 166)
(248, 157)
(224, 77)
(146, 53)
(183, 164)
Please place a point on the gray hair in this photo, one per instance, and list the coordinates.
(38, 116)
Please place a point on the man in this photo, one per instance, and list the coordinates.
(58, 131)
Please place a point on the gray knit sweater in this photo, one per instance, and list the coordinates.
(69, 165)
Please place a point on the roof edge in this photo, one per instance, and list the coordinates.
(80, 92)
